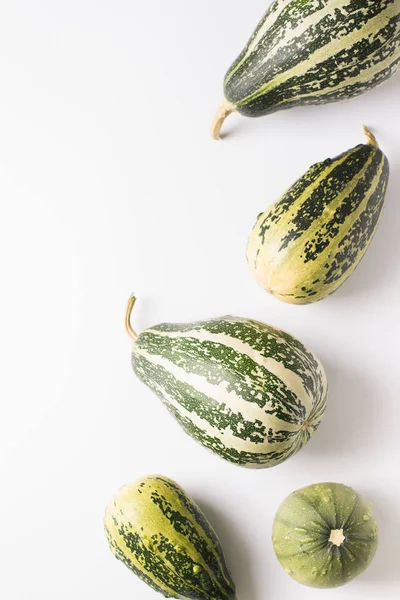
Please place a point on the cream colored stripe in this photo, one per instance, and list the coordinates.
(292, 33)
(356, 214)
(154, 527)
(257, 326)
(364, 76)
(142, 513)
(313, 20)
(305, 195)
(271, 19)
(327, 51)
(286, 278)
(250, 411)
(119, 541)
(229, 440)
(271, 252)
(191, 550)
(331, 208)
(235, 402)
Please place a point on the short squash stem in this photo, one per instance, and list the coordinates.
(224, 110)
(371, 139)
(131, 332)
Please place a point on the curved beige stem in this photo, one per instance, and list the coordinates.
(131, 332)
(224, 110)
(371, 139)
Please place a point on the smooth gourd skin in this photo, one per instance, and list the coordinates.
(251, 393)
(159, 533)
(309, 242)
(315, 52)
(303, 527)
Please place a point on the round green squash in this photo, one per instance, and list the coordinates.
(160, 534)
(325, 535)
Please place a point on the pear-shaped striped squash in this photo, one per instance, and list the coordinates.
(159, 533)
(310, 241)
(251, 393)
(312, 52)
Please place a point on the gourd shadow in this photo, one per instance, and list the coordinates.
(238, 556)
(385, 564)
(351, 417)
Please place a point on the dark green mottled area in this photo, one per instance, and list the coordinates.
(330, 230)
(208, 543)
(357, 239)
(226, 367)
(145, 557)
(194, 568)
(284, 204)
(338, 174)
(350, 90)
(166, 386)
(294, 441)
(217, 364)
(219, 416)
(258, 85)
(303, 528)
(269, 341)
(325, 222)
(352, 178)
(205, 543)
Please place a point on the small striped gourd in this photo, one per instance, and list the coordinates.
(310, 241)
(325, 535)
(312, 52)
(251, 393)
(159, 533)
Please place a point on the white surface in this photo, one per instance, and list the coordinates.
(110, 183)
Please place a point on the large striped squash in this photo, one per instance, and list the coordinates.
(158, 532)
(310, 241)
(312, 52)
(251, 393)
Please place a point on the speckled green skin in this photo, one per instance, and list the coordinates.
(313, 52)
(309, 242)
(249, 392)
(160, 534)
(302, 529)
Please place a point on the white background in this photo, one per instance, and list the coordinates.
(110, 183)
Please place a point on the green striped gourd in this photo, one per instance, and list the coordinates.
(312, 52)
(251, 393)
(325, 535)
(159, 533)
(311, 240)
